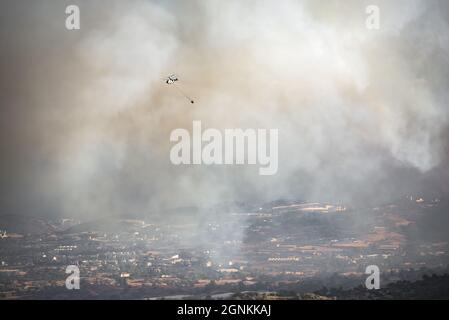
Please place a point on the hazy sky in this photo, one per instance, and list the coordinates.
(86, 118)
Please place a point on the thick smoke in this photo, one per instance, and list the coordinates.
(86, 118)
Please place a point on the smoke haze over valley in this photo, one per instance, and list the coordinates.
(86, 118)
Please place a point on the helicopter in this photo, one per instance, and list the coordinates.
(171, 80)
